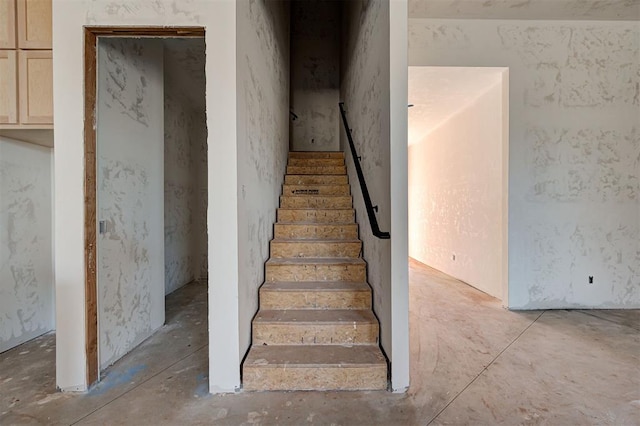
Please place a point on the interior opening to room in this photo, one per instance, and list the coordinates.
(151, 186)
(458, 173)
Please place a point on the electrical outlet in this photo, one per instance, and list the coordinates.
(590, 279)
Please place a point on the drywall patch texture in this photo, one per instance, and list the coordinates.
(263, 141)
(130, 122)
(184, 65)
(178, 193)
(455, 212)
(574, 209)
(600, 160)
(606, 10)
(315, 75)
(184, 164)
(26, 259)
(365, 90)
(200, 201)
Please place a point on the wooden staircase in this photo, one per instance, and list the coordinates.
(315, 329)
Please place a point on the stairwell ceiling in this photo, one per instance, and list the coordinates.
(184, 63)
(438, 93)
(597, 10)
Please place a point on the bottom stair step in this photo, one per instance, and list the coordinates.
(317, 367)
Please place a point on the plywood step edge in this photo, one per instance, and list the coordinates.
(316, 260)
(316, 240)
(322, 286)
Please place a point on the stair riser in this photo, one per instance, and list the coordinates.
(311, 272)
(316, 180)
(315, 334)
(332, 232)
(324, 162)
(316, 170)
(306, 202)
(316, 190)
(315, 299)
(316, 154)
(315, 249)
(316, 216)
(256, 378)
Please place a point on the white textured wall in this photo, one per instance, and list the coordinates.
(365, 89)
(200, 198)
(457, 209)
(178, 192)
(219, 20)
(26, 261)
(574, 198)
(130, 192)
(315, 75)
(263, 142)
(185, 184)
(398, 134)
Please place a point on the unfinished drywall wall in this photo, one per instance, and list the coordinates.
(219, 20)
(184, 163)
(455, 212)
(178, 192)
(263, 142)
(398, 134)
(365, 90)
(200, 198)
(26, 258)
(315, 75)
(130, 192)
(574, 198)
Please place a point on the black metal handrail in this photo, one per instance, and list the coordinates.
(371, 209)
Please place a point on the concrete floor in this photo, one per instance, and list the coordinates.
(472, 362)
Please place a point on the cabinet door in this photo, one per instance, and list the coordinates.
(36, 86)
(8, 87)
(34, 24)
(7, 24)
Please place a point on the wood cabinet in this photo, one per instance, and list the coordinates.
(34, 24)
(35, 76)
(26, 66)
(7, 24)
(8, 87)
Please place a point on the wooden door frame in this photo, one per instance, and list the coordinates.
(91, 35)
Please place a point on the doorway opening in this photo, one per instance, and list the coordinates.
(458, 173)
(147, 198)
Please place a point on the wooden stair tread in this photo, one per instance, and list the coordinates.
(316, 154)
(316, 316)
(307, 223)
(316, 260)
(320, 209)
(316, 240)
(309, 189)
(309, 176)
(302, 179)
(323, 356)
(315, 196)
(317, 184)
(305, 286)
(325, 202)
(317, 169)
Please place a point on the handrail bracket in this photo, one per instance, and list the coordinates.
(371, 209)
